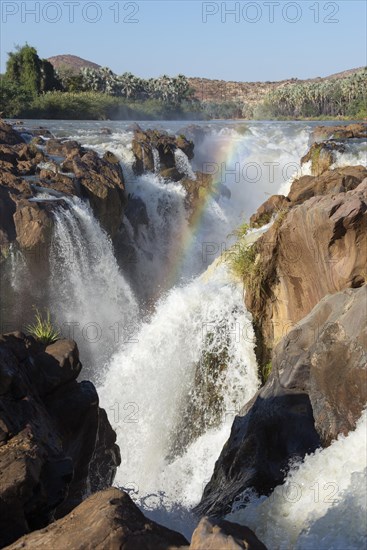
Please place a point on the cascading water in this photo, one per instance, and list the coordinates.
(183, 164)
(322, 503)
(92, 298)
(156, 388)
(156, 160)
(150, 382)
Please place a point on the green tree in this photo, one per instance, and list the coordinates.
(24, 68)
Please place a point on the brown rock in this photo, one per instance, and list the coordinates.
(334, 181)
(102, 183)
(108, 519)
(58, 182)
(322, 156)
(317, 389)
(263, 215)
(33, 224)
(358, 130)
(145, 142)
(8, 135)
(213, 534)
(319, 248)
(50, 427)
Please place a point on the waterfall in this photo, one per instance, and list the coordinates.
(156, 161)
(92, 301)
(183, 164)
(150, 383)
(322, 503)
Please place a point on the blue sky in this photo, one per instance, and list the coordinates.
(260, 40)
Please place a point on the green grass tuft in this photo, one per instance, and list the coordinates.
(42, 328)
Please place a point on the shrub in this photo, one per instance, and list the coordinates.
(42, 329)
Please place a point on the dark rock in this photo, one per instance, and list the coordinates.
(316, 390)
(213, 534)
(54, 439)
(8, 135)
(108, 519)
(145, 142)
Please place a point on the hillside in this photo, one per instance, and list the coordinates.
(251, 92)
(71, 62)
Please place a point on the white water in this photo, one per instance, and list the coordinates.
(183, 164)
(322, 504)
(150, 372)
(92, 297)
(150, 379)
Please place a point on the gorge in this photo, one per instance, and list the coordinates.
(237, 394)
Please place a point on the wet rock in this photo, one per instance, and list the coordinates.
(58, 182)
(147, 144)
(316, 390)
(213, 534)
(108, 519)
(322, 156)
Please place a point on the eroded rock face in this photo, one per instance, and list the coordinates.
(102, 183)
(319, 248)
(53, 436)
(317, 389)
(108, 519)
(150, 143)
(333, 181)
(22, 176)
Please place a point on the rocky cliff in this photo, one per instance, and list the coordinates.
(307, 292)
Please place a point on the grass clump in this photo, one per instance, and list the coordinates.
(42, 329)
(265, 371)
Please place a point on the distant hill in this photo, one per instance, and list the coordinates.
(71, 62)
(217, 91)
(250, 92)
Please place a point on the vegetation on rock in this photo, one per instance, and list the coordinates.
(42, 329)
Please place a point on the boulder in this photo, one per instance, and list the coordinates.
(108, 519)
(333, 181)
(55, 442)
(33, 224)
(151, 147)
(8, 135)
(102, 182)
(317, 389)
(322, 156)
(320, 247)
(213, 534)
